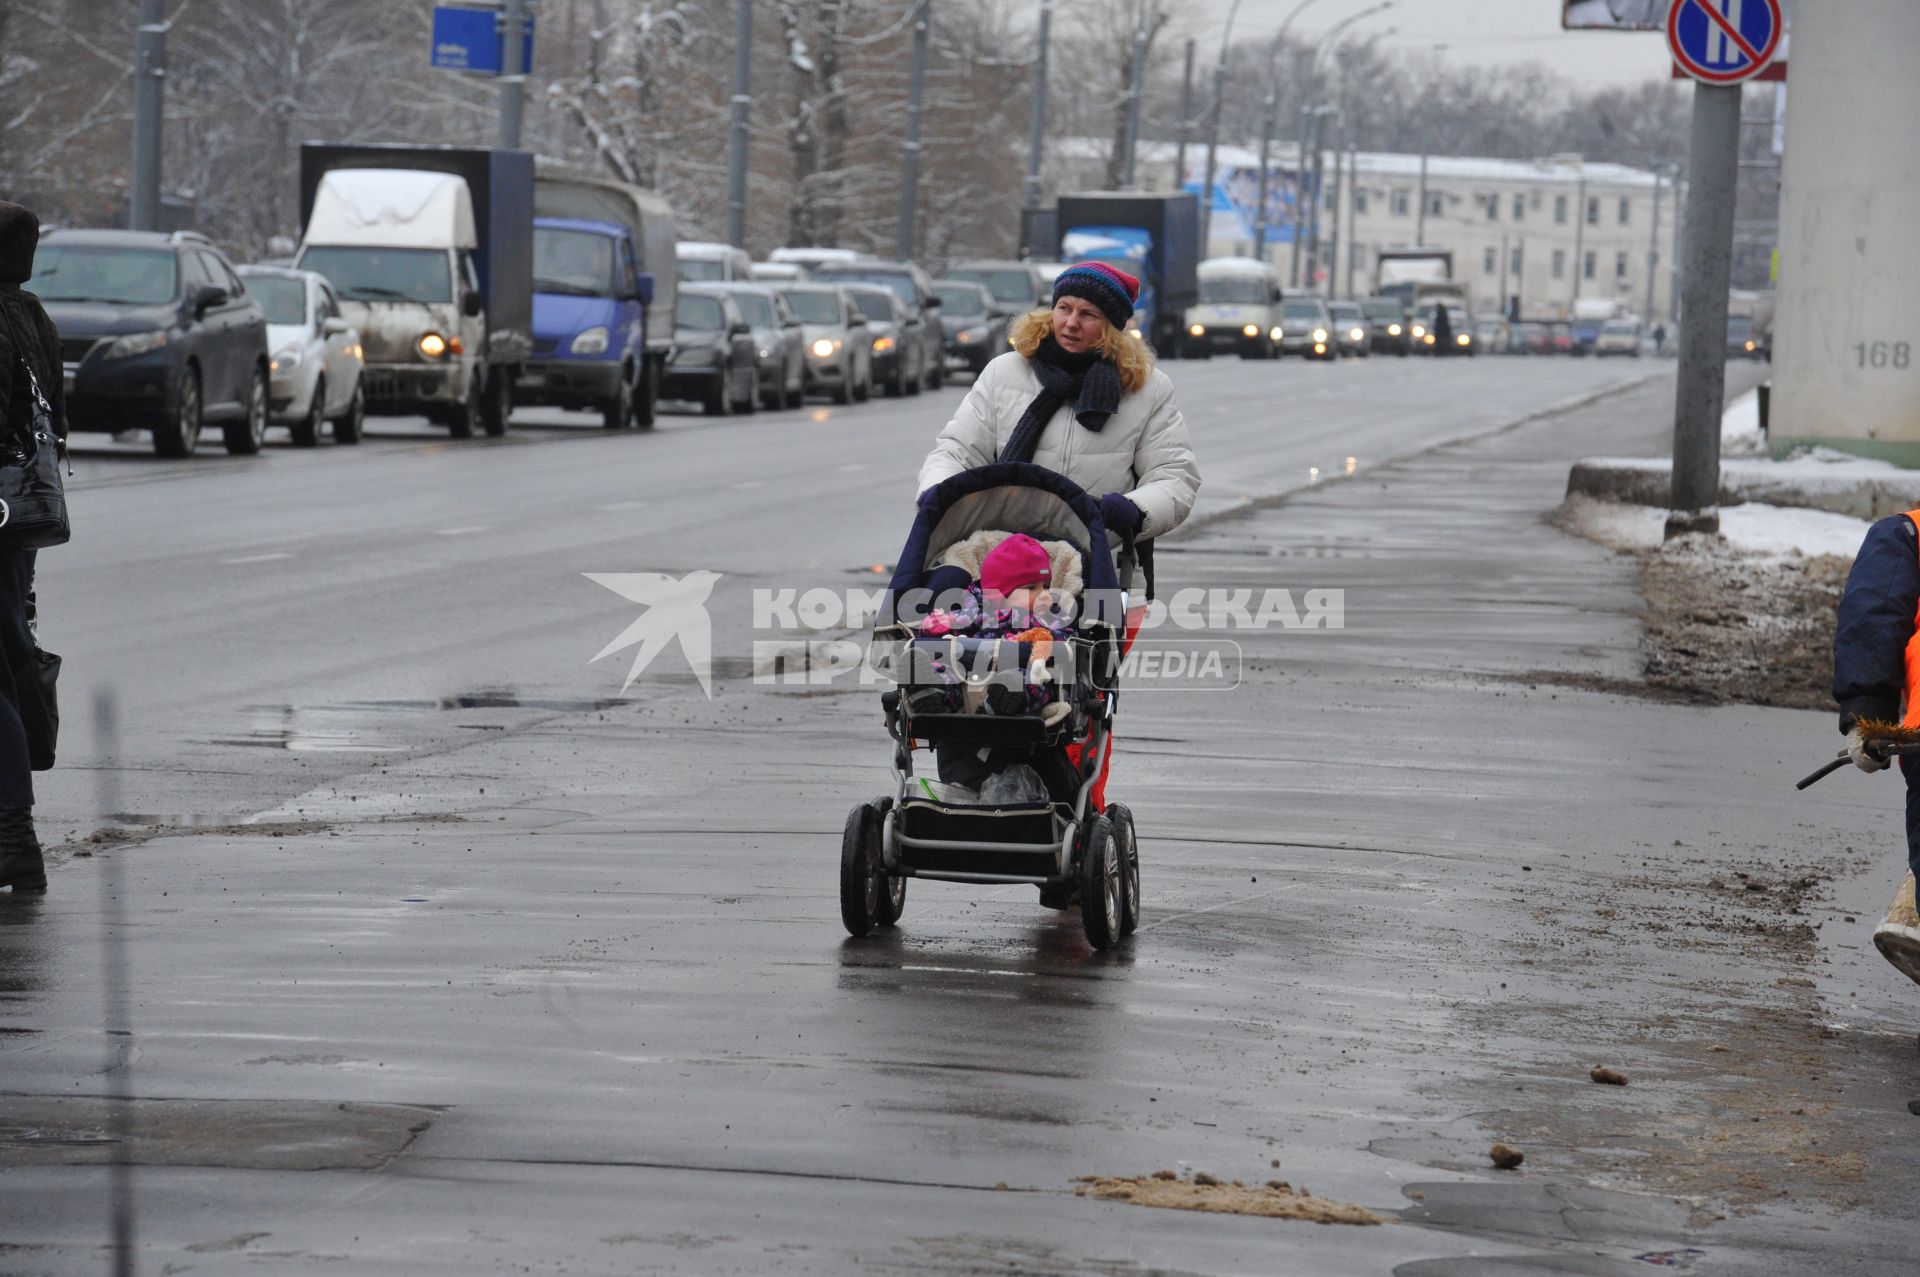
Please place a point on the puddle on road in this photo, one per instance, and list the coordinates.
(369, 727)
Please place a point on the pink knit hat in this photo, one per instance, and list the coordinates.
(1015, 562)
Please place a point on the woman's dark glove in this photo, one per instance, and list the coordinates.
(1120, 514)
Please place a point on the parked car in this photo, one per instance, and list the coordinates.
(1238, 311)
(898, 353)
(1349, 328)
(318, 366)
(714, 356)
(839, 348)
(1306, 328)
(1618, 337)
(974, 331)
(779, 345)
(1530, 338)
(1560, 338)
(1016, 287)
(157, 332)
(1386, 325)
(701, 262)
(780, 273)
(920, 307)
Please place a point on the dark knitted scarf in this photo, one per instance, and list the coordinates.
(1091, 384)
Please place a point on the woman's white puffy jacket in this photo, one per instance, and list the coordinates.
(1143, 451)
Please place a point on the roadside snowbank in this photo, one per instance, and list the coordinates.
(1764, 531)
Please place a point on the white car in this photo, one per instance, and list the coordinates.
(318, 361)
(1618, 337)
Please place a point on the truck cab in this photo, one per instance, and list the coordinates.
(589, 320)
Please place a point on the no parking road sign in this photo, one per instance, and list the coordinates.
(1724, 41)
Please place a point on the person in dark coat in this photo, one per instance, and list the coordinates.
(1442, 330)
(28, 343)
(1876, 681)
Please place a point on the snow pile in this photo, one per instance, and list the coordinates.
(1762, 531)
(1740, 428)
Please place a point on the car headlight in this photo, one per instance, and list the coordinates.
(432, 345)
(1319, 334)
(881, 345)
(1429, 339)
(1749, 345)
(1136, 334)
(824, 348)
(1419, 330)
(286, 359)
(1464, 340)
(591, 342)
(1276, 334)
(1356, 333)
(136, 344)
(1393, 330)
(1251, 330)
(967, 336)
(1196, 330)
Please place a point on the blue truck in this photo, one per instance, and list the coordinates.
(1153, 237)
(603, 301)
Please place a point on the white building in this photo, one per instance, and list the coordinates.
(1545, 232)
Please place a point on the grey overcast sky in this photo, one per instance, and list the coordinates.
(1471, 31)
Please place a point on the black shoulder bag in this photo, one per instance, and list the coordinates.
(33, 500)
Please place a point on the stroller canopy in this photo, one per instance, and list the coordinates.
(1009, 497)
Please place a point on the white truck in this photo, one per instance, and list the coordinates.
(430, 250)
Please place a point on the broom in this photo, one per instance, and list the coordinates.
(1883, 741)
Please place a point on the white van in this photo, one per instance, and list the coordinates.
(702, 262)
(1239, 310)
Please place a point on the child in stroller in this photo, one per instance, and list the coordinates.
(1012, 600)
(1067, 839)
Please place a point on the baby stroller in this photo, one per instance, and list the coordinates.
(1059, 842)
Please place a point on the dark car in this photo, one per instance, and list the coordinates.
(778, 342)
(1016, 287)
(1531, 338)
(919, 307)
(1386, 325)
(157, 332)
(898, 356)
(975, 332)
(714, 358)
(1742, 343)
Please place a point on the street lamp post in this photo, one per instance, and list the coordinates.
(1036, 138)
(1213, 116)
(1310, 123)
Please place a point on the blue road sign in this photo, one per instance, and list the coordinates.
(469, 40)
(1724, 41)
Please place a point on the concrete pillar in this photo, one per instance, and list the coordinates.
(1846, 352)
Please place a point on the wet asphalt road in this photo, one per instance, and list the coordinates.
(549, 984)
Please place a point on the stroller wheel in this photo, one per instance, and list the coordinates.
(1100, 890)
(863, 881)
(1128, 847)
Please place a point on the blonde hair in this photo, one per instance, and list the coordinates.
(1127, 353)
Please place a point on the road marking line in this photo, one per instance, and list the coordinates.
(259, 558)
(460, 532)
(624, 505)
(748, 484)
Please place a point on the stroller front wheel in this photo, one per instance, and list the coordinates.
(868, 898)
(1101, 892)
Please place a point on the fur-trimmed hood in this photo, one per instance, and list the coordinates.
(1068, 577)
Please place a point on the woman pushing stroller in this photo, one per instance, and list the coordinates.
(1080, 396)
